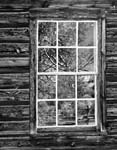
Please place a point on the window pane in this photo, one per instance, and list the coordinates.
(66, 33)
(46, 60)
(85, 60)
(66, 113)
(85, 86)
(46, 87)
(47, 33)
(67, 59)
(86, 112)
(46, 113)
(66, 86)
(86, 34)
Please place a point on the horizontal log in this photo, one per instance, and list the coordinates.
(111, 22)
(85, 147)
(14, 69)
(14, 35)
(14, 19)
(21, 4)
(111, 77)
(111, 92)
(111, 49)
(14, 49)
(112, 110)
(65, 13)
(14, 97)
(14, 81)
(111, 100)
(55, 3)
(111, 84)
(15, 126)
(15, 142)
(111, 68)
(111, 34)
(14, 113)
(14, 62)
(112, 13)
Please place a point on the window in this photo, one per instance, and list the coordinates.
(66, 73)
(66, 70)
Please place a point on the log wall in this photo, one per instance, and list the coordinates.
(15, 71)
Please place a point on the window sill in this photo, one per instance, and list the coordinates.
(80, 131)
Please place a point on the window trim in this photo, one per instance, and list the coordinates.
(38, 14)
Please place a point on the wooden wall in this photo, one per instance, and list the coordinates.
(14, 78)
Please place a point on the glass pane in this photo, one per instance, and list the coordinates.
(86, 34)
(66, 86)
(85, 60)
(66, 113)
(46, 60)
(66, 33)
(46, 87)
(86, 112)
(85, 86)
(46, 113)
(47, 33)
(67, 59)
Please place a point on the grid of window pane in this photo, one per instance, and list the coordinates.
(66, 73)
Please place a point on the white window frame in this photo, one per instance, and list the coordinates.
(95, 73)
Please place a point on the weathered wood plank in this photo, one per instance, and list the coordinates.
(14, 19)
(111, 49)
(17, 126)
(112, 13)
(111, 34)
(111, 92)
(14, 49)
(14, 62)
(14, 4)
(14, 97)
(15, 142)
(111, 100)
(81, 3)
(65, 13)
(14, 35)
(14, 113)
(111, 22)
(110, 68)
(111, 84)
(14, 69)
(14, 81)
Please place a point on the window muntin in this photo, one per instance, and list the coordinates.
(66, 73)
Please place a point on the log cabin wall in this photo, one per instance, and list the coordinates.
(15, 71)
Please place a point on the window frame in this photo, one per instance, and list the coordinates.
(42, 14)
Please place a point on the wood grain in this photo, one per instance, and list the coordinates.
(14, 62)
(14, 81)
(15, 19)
(14, 126)
(14, 50)
(14, 35)
(14, 97)
(14, 113)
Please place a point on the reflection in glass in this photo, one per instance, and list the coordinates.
(47, 33)
(66, 113)
(46, 86)
(66, 33)
(46, 113)
(67, 59)
(85, 86)
(46, 60)
(86, 34)
(86, 112)
(66, 86)
(85, 60)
